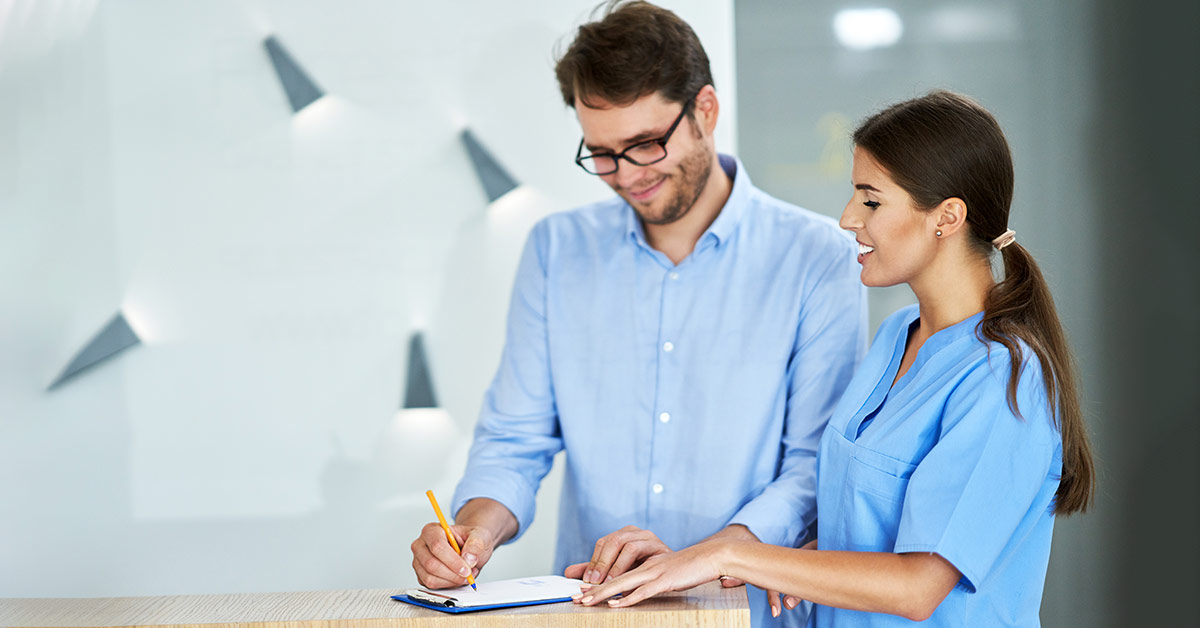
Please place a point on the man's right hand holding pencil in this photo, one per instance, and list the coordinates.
(480, 525)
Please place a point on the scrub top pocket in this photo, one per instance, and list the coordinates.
(875, 487)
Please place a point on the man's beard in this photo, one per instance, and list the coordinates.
(692, 176)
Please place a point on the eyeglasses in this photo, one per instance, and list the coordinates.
(640, 154)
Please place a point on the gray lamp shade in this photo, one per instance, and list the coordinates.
(492, 176)
(301, 90)
(116, 337)
(418, 393)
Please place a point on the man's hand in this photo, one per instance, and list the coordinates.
(617, 553)
(482, 524)
(438, 566)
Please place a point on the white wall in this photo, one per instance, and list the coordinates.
(274, 266)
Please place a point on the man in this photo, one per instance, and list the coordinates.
(684, 342)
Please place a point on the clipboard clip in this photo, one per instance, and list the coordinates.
(429, 597)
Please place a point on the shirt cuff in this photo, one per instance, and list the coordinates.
(762, 517)
(500, 485)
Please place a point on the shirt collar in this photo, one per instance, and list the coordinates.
(727, 221)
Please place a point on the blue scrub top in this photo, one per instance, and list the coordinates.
(940, 463)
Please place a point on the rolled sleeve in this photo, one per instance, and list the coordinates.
(829, 343)
(518, 433)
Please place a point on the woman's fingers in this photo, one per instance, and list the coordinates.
(616, 586)
(773, 600)
(648, 590)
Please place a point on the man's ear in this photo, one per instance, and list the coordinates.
(706, 108)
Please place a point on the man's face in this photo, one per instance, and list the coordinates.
(663, 192)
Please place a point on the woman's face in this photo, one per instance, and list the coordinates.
(896, 240)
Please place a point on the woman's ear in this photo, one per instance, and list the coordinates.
(950, 216)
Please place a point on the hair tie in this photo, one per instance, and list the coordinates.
(1004, 239)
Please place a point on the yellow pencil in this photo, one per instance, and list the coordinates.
(449, 535)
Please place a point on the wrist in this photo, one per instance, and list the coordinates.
(723, 553)
(488, 515)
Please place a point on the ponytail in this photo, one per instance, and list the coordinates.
(945, 145)
(1020, 307)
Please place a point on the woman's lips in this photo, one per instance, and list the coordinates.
(863, 251)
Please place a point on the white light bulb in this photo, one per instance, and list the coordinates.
(864, 29)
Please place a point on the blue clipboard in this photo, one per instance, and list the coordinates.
(470, 609)
(492, 595)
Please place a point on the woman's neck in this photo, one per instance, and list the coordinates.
(951, 291)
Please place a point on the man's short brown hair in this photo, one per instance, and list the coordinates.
(635, 50)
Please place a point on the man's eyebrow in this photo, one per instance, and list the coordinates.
(627, 142)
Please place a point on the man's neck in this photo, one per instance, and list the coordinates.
(677, 239)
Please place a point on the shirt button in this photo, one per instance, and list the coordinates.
(657, 488)
(668, 347)
(674, 275)
(664, 417)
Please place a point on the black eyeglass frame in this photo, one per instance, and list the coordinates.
(617, 157)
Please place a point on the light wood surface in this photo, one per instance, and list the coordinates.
(707, 606)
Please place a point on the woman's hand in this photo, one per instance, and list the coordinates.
(675, 571)
(617, 553)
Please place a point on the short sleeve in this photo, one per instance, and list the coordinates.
(984, 479)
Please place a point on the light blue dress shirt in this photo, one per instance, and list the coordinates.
(687, 397)
(939, 463)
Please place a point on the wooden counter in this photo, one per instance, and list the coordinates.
(707, 606)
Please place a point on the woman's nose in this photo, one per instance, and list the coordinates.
(849, 221)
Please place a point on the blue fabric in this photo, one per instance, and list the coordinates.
(766, 320)
(944, 466)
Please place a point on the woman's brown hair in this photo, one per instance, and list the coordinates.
(944, 145)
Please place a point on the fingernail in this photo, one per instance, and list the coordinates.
(608, 578)
(465, 571)
(470, 558)
(613, 602)
(774, 611)
(790, 603)
(586, 599)
(590, 576)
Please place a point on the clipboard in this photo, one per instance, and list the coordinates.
(493, 595)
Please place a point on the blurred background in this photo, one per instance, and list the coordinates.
(266, 262)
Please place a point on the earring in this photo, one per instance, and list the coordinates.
(939, 233)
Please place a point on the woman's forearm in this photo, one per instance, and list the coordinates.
(908, 585)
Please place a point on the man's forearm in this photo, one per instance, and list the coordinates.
(489, 514)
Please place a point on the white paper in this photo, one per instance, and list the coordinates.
(503, 592)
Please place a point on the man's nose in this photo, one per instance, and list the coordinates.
(627, 174)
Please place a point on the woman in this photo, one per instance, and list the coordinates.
(961, 435)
